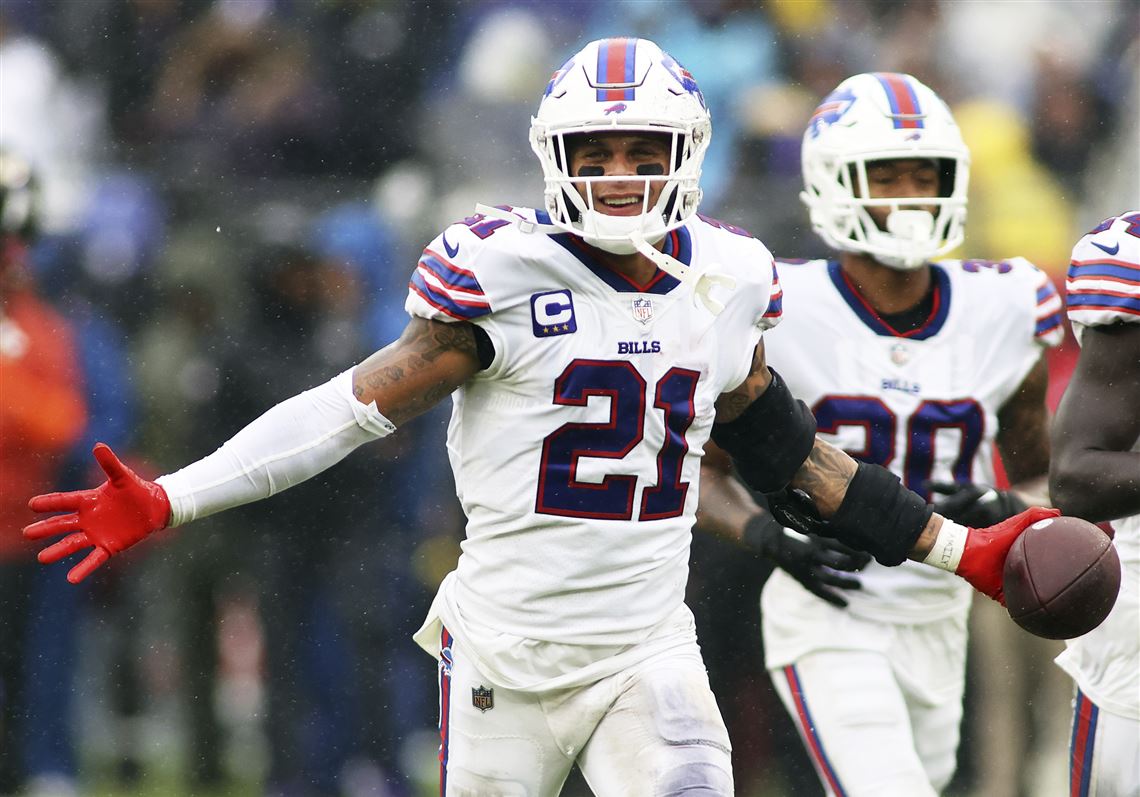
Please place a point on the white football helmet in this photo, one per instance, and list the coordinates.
(625, 85)
(880, 116)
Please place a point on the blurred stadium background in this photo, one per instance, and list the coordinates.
(235, 194)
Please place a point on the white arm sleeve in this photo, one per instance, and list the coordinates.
(296, 439)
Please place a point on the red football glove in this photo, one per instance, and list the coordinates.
(983, 558)
(111, 518)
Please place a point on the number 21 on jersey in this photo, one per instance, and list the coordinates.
(560, 492)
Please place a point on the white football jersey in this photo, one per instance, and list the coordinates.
(576, 453)
(1102, 288)
(923, 404)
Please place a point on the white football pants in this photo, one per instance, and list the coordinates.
(653, 730)
(1104, 753)
(870, 730)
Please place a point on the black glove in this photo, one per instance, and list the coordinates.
(795, 510)
(812, 561)
(975, 505)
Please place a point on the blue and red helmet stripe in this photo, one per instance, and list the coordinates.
(903, 100)
(616, 61)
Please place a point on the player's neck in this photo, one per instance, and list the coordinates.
(637, 268)
(887, 290)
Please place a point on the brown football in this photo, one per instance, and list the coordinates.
(1061, 578)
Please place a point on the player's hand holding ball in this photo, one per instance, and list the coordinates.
(1057, 576)
(1061, 578)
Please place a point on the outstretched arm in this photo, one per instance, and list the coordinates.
(291, 442)
(770, 436)
(1095, 474)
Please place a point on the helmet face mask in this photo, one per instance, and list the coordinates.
(876, 117)
(626, 86)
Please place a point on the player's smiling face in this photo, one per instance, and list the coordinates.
(901, 177)
(619, 154)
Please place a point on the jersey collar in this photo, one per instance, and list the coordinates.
(874, 321)
(678, 244)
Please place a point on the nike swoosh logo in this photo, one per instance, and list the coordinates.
(1105, 249)
(452, 251)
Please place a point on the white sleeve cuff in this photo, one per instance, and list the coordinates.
(293, 441)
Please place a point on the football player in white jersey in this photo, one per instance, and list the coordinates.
(590, 349)
(1095, 474)
(918, 366)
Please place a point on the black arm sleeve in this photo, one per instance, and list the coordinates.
(770, 439)
(878, 515)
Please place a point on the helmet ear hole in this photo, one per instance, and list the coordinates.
(947, 176)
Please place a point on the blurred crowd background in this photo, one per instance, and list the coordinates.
(235, 193)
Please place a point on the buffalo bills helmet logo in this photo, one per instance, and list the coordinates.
(617, 107)
(831, 110)
(684, 77)
(558, 76)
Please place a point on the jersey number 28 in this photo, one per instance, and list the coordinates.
(880, 423)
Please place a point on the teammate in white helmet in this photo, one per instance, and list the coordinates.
(917, 365)
(1095, 474)
(590, 349)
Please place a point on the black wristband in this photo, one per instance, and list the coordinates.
(770, 440)
(879, 515)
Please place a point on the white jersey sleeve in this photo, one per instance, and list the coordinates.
(1103, 284)
(445, 286)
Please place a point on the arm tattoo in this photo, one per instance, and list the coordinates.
(824, 476)
(730, 405)
(429, 361)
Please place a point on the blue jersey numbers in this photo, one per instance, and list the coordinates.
(559, 490)
(964, 416)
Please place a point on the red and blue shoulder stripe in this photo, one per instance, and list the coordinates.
(449, 288)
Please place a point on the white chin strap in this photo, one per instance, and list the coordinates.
(702, 281)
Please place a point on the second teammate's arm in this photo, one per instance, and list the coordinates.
(1023, 436)
(1095, 473)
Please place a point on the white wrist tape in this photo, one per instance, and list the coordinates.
(296, 439)
(946, 552)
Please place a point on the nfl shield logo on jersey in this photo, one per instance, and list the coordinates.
(642, 310)
(900, 354)
(482, 698)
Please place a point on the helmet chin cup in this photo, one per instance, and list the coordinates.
(912, 234)
(614, 233)
(911, 226)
